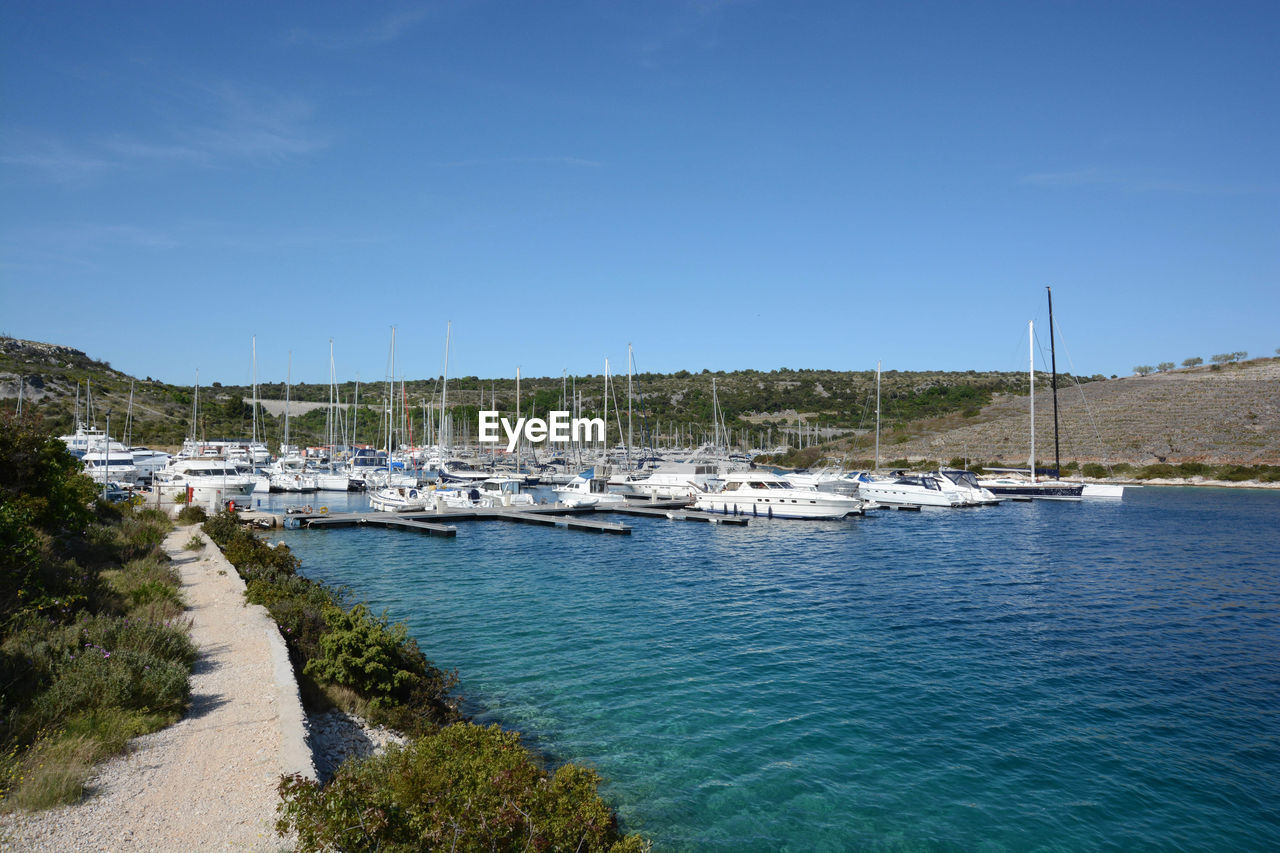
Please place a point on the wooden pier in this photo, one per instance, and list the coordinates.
(438, 522)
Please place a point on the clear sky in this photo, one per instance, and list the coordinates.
(723, 184)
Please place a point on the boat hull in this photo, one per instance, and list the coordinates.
(798, 508)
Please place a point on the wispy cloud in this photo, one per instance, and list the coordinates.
(52, 158)
(221, 125)
(522, 161)
(1126, 182)
(382, 30)
(691, 22)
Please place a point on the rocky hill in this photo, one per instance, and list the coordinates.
(1227, 415)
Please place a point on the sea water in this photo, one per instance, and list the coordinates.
(1031, 676)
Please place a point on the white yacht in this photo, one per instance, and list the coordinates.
(967, 483)
(290, 474)
(910, 490)
(764, 493)
(835, 480)
(587, 489)
(79, 442)
(400, 499)
(204, 480)
(110, 462)
(676, 480)
(148, 461)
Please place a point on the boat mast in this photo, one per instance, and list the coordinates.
(877, 468)
(253, 350)
(630, 435)
(444, 392)
(1053, 366)
(288, 380)
(195, 406)
(1031, 354)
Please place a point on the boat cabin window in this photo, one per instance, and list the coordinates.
(731, 487)
(599, 487)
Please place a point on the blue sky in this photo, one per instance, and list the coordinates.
(722, 184)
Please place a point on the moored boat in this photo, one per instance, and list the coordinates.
(763, 493)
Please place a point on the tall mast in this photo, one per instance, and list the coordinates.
(1031, 354)
(444, 393)
(606, 410)
(288, 380)
(877, 468)
(253, 351)
(128, 421)
(391, 401)
(1053, 366)
(195, 406)
(630, 436)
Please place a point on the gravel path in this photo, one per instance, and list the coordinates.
(208, 782)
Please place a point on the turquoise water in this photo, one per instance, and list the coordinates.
(1032, 676)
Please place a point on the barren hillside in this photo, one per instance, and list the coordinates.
(1229, 415)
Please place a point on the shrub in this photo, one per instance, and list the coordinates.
(195, 543)
(1164, 365)
(462, 787)
(1144, 369)
(1158, 471)
(147, 589)
(192, 515)
(365, 653)
(1094, 470)
(1194, 361)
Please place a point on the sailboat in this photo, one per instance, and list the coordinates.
(1008, 484)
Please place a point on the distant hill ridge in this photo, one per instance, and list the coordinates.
(1217, 415)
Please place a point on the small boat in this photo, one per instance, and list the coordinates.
(400, 499)
(587, 489)
(763, 493)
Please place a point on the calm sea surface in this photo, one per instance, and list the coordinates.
(1032, 676)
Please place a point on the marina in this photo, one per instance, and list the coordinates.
(787, 684)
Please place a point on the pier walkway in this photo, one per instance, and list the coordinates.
(440, 521)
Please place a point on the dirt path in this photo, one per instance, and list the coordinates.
(208, 782)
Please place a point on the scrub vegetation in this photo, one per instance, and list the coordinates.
(454, 785)
(93, 649)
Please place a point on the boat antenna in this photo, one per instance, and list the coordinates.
(1053, 367)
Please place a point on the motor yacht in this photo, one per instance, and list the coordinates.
(204, 481)
(763, 493)
(903, 489)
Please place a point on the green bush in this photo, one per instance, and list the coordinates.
(1159, 471)
(1093, 470)
(192, 515)
(378, 660)
(462, 787)
(146, 588)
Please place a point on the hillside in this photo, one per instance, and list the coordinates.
(1227, 415)
(1218, 416)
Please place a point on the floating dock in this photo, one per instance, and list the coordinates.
(439, 522)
